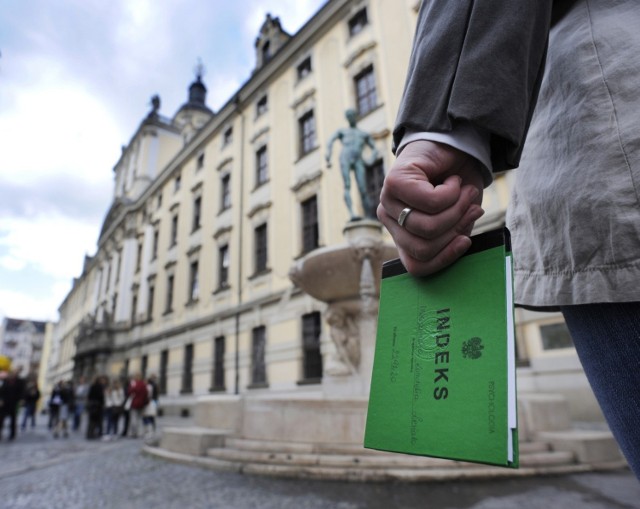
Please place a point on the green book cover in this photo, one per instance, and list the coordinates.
(443, 381)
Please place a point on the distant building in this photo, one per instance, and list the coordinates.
(211, 209)
(22, 341)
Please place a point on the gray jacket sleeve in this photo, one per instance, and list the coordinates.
(480, 61)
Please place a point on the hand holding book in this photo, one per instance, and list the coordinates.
(443, 380)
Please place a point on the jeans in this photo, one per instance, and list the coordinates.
(29, 415)
(607, 339)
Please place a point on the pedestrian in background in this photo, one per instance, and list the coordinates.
(151, 410)
(95, 408)
(139, 397)
(31, 397)
(80, 397)
(65, 392)
(114, 403)
(11, 393)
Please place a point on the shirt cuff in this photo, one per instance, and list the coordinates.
(465, 137)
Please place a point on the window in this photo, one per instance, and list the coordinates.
(187, 370)
(114, 303)
(138, 263)
(118, 265)
(555, 335)
(261, 248)
(174, 230)
(258, 367)
(374, 181)
(227, 137)
(218, 363)
(225, 192)
(159, 201)
(261, 106)
(197, 209)
(312, 358)
(152, 291)
(200, 162)
(358, 21)
(309, 224)
(109, 267)
(169, 304)
(134, 306)
(193, 281)
(144, 362)
(176, 184)
(262, 169)
(366, 97)
(154, 251)
(304, 68)
(307, 127)
(223, 266)
(266, 52)
(164, 367)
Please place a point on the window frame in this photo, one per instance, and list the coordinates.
(218, 375)
(261, 248)
(169, 293)
(312, 367)
(308, 134)
(262, 166)
(358, 22)
(225, 192)
(174, 231)
(310, 224)
(196, 221)
(258, 356)
(187, 369)
(224, 262)
(194, 281)
(227, 136)
(374, 179)
(304, 68)
(262, 106)
(366, 91)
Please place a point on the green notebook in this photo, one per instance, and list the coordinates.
(443, 381)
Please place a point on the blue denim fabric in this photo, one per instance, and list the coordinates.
(607, 339)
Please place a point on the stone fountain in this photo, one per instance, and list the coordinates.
(347, 278)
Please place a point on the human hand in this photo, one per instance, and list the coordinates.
(443, 187)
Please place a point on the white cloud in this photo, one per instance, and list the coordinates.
(51, 244)
(76, 77)
(55, 126)
(41, 306)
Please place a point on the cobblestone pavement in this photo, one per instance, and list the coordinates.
(39, 472)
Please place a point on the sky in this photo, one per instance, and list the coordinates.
(76, 78)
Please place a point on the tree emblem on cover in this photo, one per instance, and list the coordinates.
(472, 348)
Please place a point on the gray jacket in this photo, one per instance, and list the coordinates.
(575, 212)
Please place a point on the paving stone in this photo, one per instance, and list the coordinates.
(40, 472)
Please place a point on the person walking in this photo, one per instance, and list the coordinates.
(80, 399)
(31, 397)
(95, 408)
(151, 410)
(139, 397)
(114, 402)
(11, 393)
(65, 408)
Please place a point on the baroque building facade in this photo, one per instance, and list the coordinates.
(210, 211)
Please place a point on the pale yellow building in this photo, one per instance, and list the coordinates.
(211, 209)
